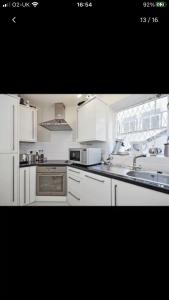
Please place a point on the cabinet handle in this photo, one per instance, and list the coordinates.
(115, 194)
(94, 178)
(13, 198)
(33, 132)
(74, 171)
(74, 196)
(74, 179)
(25, 186)
(13, 111)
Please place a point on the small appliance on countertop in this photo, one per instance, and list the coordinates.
(85, 156)
(23, 158)
(118, 144)
(154, 151)
(166, 148)
(31, 158)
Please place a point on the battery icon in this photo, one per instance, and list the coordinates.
(161, 4)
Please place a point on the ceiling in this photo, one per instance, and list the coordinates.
(69, 99)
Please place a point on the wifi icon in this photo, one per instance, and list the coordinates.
(35, 4)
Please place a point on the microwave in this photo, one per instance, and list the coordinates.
(85, 156)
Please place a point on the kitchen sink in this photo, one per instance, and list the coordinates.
(150, 176)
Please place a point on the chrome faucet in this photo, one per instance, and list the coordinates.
(134, 166)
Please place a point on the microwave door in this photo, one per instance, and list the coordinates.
(75, 155)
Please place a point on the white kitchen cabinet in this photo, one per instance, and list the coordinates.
(74, 186)
(28, 124)
(8, 124)
(88, 189)
(32, 184)
(9, 179)
(96, 190)
(27, 185)
(24, 186)
(91, 121)
(9, 146)
(126, 194)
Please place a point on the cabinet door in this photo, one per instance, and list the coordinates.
(126, 194)
(28, 124)
(8, 124)
(96, 190)
(32, 184)
(9, 179)
(24, 186)
(87, 122)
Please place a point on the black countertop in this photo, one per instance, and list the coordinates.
(115, 172)
(46, 163)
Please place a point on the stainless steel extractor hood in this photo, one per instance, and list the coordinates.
(59, 123)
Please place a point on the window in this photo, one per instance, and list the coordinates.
(145, 123)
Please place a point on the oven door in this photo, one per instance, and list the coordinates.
(51, 184)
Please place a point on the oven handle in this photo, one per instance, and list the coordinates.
(50, 173)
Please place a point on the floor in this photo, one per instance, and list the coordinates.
(49, 203)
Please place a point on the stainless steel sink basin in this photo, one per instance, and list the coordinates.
(150, 176)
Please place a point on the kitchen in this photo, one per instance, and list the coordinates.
(84, 150)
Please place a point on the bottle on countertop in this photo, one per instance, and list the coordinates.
(41, 155)
(37, 156)
(33, 157)
(29, 157)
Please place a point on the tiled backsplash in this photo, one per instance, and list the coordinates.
(56, 149)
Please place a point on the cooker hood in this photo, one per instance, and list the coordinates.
(59, 123)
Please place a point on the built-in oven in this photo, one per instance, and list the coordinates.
(51, 181)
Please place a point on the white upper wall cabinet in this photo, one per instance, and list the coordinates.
(28, 124)
(8, 124)
(91, 121)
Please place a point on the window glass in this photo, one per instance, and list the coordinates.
(145, 123)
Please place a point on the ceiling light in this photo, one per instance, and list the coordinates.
(80, 95)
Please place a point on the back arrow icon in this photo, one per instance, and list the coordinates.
(14, 19)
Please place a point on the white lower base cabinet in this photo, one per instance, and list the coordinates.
(32, 184)
(9, 179)
(126, 194)
(88, 189)
(27, 185)
(96, 190)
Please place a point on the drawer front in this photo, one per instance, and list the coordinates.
(97, 178)
(74, 184)
(74, 172)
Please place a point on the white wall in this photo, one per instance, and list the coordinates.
(56, 144)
